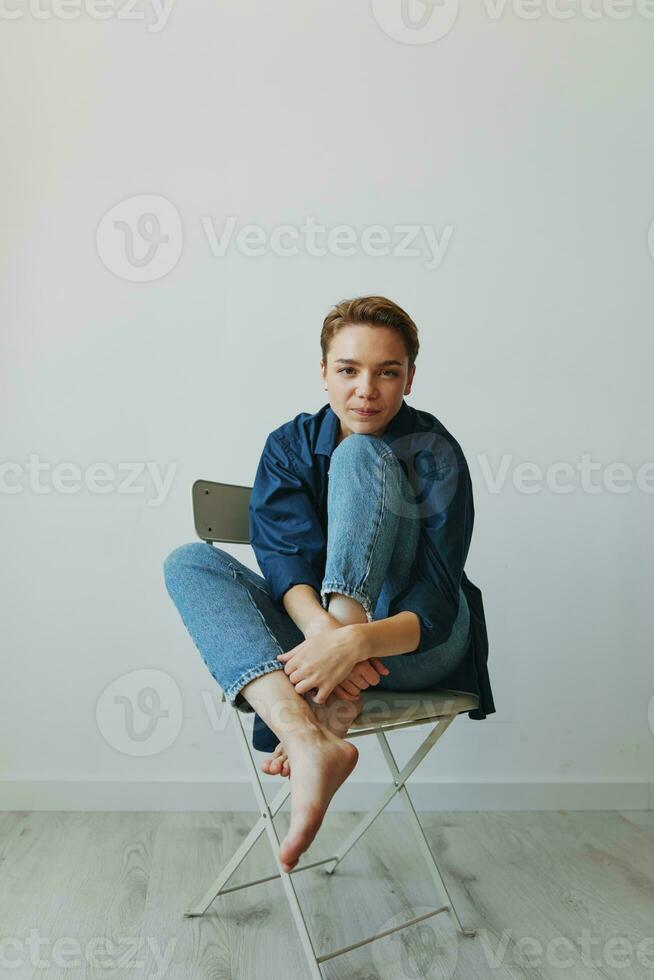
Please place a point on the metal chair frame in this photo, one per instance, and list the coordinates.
(444, 712)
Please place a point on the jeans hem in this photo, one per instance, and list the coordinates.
(234, 689)
(347, 590)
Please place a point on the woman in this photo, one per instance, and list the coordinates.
(360, 518)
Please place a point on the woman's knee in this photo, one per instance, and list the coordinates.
(376, 466)
(358, 445)
(198, 555)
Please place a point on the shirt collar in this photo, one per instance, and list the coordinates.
(400, 425)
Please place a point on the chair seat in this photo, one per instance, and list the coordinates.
(394, 707)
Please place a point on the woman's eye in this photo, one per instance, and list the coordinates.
(393, 374)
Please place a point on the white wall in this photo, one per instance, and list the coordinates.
(532, 140)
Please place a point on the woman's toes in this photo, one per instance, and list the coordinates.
(272, 765)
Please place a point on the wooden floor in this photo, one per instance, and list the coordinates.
(557, 894)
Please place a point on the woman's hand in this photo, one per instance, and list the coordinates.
(326, 659)
(364, 674)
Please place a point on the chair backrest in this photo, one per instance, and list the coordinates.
(220, 511)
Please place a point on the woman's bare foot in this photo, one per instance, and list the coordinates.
(320, 762)
(335, 714)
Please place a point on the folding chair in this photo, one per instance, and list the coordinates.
(221, 514)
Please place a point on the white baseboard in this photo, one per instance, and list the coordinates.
(427, 795)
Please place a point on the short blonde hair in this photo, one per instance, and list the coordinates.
(374, 311)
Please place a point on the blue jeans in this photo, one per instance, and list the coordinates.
(371, 545)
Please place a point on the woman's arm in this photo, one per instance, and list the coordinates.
(303, 605)
(388, 637)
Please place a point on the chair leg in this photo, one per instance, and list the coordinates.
(202, 904)
(439, 729)
(423, 843)
(218, 887)
(273, 837)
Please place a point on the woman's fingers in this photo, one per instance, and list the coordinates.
(344, 695)
(350, 687)
(288, 659)
(367, 671)
(378, 665)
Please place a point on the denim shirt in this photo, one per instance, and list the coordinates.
(288, 527)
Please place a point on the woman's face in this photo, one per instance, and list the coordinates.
(367, 368)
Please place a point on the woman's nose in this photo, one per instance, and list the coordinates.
(366, 387)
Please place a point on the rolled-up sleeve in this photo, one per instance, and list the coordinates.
(285, 530)
(446, 529)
